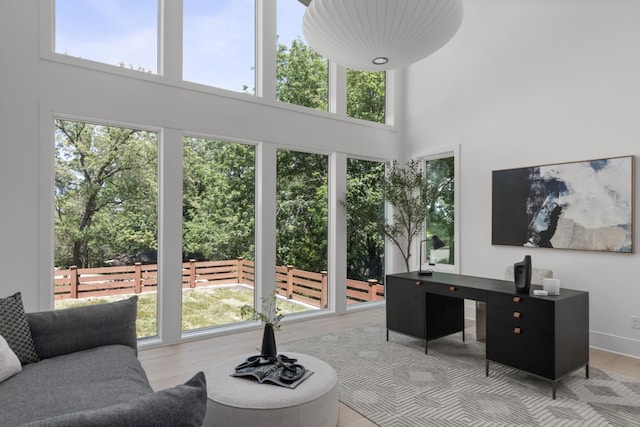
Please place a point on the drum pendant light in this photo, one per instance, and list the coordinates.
(377, 35)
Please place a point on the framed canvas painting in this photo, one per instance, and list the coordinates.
(587, 205)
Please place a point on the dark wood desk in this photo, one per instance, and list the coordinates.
(547, 336)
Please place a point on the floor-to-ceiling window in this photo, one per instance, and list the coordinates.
(218, 231)
(126, 46)
(301, 228)
(365, 242)
(106, 197)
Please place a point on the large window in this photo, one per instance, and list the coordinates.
(115, 32)
(106, 196)
(302, 75)
(301, 228)
(440, 230)
(217, 47)
(365, 242)
(218, 231)
(219, 43)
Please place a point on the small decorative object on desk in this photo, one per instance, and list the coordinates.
(552, 286)
(280, 370)
(522, 275)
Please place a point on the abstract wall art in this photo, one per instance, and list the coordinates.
(587, 205)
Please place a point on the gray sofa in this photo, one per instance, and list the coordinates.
(88, 374)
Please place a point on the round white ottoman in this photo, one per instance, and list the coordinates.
(240, 402)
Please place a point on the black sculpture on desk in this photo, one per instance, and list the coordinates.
(522, 275)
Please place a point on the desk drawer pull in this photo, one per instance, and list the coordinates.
(517, 330)
(452, 288)
(517, 299)
(517, 314)
(418, 283)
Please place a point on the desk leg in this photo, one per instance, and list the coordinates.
(553, 393)
(387, 334)
(586, 370)
(486, 368)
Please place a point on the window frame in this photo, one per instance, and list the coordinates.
(435, 154)
(169, 67)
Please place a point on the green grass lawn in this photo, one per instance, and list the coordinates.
(202, 307)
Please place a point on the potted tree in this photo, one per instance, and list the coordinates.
(405, 188)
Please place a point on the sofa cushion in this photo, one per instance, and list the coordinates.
(9, 363)
(15, 329)
(184, 405)
(58, 332)
(81, 381)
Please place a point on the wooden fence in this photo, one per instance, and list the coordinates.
(299, 285)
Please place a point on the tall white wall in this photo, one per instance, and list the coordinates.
(32, 89)
(537, 82)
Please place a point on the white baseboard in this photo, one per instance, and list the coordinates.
(615, 344)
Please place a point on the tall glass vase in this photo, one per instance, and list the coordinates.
(268, 342)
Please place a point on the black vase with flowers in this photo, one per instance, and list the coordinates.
(270, 316)
(268, 348)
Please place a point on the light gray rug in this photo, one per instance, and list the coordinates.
(395, 384)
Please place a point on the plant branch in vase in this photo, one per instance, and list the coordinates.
(270, 316)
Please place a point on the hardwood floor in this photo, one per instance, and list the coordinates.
(170, 365)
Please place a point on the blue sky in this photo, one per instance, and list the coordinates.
(218, 35)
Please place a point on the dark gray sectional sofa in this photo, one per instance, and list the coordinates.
(88, 374)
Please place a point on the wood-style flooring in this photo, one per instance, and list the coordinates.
(170, 365)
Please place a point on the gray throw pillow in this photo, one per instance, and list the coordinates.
(58, 332)
(181, 406)
(15, 329)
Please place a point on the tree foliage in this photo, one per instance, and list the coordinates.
(302, 210)
(301, 76)
(105, 192)
(218, 199)
(365, 211)
(440, 193)
(366, 95)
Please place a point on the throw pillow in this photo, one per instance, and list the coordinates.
(57, 332)
(9, 363)
(15, 329)
(181, 406)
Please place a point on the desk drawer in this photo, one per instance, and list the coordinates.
(456, 291)
(522, 348)
(523, 320)
(522, 304)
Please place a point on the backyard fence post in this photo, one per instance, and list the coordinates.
(289, 281)
(323, 290)
(137, 277)
(192, 273)
(73, 281)
(372, 289)
(240, 267)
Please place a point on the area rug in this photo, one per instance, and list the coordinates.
(395, 384)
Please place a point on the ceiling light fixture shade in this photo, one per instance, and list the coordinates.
(377, 35)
